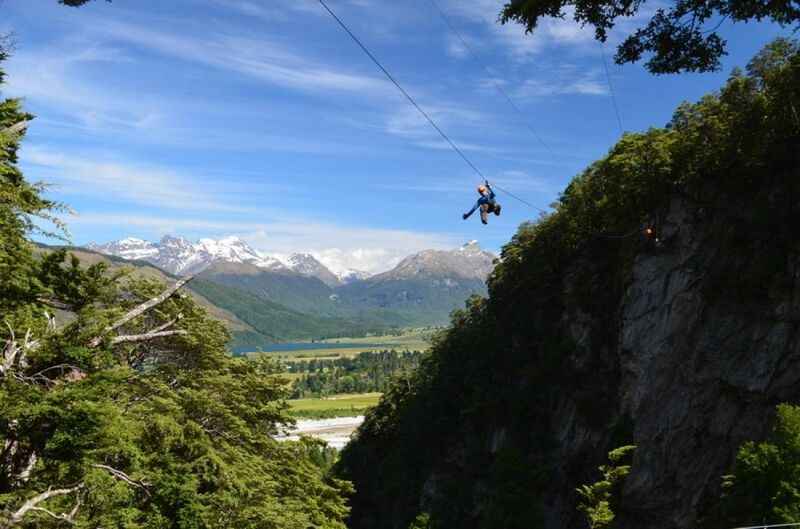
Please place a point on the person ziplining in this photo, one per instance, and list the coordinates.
(486, 203)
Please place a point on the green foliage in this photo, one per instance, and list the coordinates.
(165, 431)
(730, 160)
(514, 489)
(681, 38)
(422, 521)
(765, 483)
(417, 301)
(365, 373)
(272, 321)
(339, 406)
(596, 499)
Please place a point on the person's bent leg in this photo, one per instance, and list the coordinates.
(485, 213)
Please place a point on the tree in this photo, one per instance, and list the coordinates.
(765, 483)
(119, 403)
(680, 38)
(596, 499)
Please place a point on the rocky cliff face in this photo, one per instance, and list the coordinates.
(694, 371)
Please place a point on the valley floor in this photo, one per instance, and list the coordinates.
(336, 432)
(409, 340)
(333, 406)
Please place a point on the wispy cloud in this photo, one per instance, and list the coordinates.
(564, 80)
(549, 33)
(258, 58)
(408, 123)
(49, 79)
(112, 181)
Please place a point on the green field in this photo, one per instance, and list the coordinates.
(334, 406)
(409, 340)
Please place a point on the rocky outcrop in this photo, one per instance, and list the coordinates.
(693, 370)
(700, 372)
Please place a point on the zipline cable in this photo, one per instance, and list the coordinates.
(494, 82)
(611, 88)
(419, 108)
(770, 526)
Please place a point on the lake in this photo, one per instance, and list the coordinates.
(313, 346)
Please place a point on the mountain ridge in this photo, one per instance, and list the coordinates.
(420, 290)
(177, 255)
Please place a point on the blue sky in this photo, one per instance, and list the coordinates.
(260, 118)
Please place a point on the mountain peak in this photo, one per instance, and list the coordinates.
(178, 255)
(308, 265)
(468, 261)
(352, 275)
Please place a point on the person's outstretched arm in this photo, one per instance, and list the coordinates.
(491, 191)
(470, 212)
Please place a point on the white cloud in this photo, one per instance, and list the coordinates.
(549, 33)
(257, 58)
(524, 182)
(277, 10)
(567, 79)
(408, 123)
(48, 77)
(373, 260)
(112, 180)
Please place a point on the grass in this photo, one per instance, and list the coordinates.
(334, 406)
(409, 340)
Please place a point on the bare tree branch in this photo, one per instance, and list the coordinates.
(146, 337)
(141, 309)
(167, 325)
(56, 304)
(61, 517)
(122, 476)
(16, 129)
(33, 504)
(14, 352)
(60, 367)
(25, 474)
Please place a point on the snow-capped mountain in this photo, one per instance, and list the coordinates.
(130, 248)
(351, 275)
(305, 264)
(430, 283)
(467, 262)
(181, 256)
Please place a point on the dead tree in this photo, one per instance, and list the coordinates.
(138, 311)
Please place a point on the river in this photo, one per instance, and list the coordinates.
(336, 432)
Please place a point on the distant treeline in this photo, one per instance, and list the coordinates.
(366, 373)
